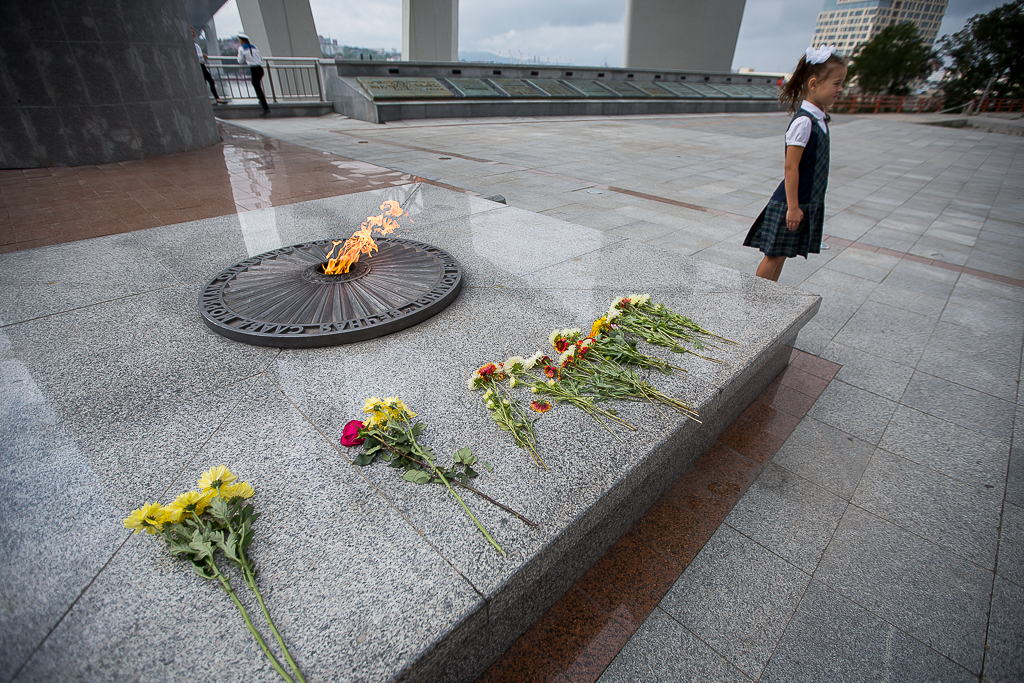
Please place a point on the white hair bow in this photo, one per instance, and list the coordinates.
(817, 55)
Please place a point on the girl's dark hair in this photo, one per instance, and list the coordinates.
(792, 91)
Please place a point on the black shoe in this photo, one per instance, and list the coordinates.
(266, 112)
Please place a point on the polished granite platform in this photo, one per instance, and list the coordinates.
(118, 394)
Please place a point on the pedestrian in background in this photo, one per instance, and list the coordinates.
(249, 54)
(206, 72)
(792, 223)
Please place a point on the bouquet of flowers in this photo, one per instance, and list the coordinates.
(505, 411)
(390, 432)
(215, 521)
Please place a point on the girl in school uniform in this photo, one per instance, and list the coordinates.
(791, 224)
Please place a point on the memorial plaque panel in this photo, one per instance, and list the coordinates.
(517, 87)
(473, 87)
(592, 88)
(403, 88)
(739, 90)
(682, 90)
(553, 87)
(652, 89)
(707, 91)
(625, 89)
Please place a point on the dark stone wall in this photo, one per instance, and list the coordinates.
(98, 81)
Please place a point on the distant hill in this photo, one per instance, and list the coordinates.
(482, 56)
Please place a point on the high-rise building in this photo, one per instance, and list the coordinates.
(848, 24)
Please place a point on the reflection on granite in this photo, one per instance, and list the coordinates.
(151, 397)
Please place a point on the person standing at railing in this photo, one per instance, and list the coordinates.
(206, 72)
(249, 55)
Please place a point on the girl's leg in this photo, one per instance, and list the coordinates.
(770, 267)
(778, 269)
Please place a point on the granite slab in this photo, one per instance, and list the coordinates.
(376, 577)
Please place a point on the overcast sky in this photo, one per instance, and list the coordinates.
(772, 37)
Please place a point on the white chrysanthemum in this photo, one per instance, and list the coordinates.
(513, 382)
(586, 343)
(612, 314)
(505, 401)
(514, 364)
(489, 393)
(490, 404)
(532, 361)
(534, 390)
(615, 304)
(555, 333)
(551, 382)
(640, 299)
(567, 354)
(572, 333)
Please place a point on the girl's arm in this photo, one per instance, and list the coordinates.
(794, 215)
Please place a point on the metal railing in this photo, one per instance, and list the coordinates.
(876, 104)
(286, 79)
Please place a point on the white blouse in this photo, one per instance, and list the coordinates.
(800, 129)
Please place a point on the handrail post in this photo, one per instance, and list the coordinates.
(270, 77)
(319, 80)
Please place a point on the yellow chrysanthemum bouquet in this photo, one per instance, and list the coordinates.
(215, 518)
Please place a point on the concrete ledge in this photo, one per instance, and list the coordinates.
(277, 110)
(126, 397)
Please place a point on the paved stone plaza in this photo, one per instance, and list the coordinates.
(884, 538)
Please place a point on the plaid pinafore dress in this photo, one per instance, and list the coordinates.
(769, 232)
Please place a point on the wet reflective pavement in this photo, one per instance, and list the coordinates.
(245, 171)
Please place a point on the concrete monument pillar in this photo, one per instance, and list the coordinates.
(430, 30)
(280, 28)
(687, 35)
(98, 81)
(212, 46)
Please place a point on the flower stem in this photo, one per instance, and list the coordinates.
(250, 580)
(437, 473)
(226, 585)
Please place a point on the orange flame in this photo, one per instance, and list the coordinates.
(361, 241)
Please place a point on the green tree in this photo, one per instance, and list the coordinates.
(890, 62)
(989, 48)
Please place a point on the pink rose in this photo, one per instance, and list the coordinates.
(350, 437)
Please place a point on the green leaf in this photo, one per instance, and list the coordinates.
(203, 549)
(202, 570)
(418, 428)
(471, 473)
(487, 466)
(417, 476)
(465, 456)
(364, 459)
(219, 509)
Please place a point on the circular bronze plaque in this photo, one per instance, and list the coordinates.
(282, 298)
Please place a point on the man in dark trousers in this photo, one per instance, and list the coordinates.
(249, 55)
(206, 72)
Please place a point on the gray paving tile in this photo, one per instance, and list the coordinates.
(1015, 471)
(889, 332)
(854, 411)
(978, 311)
(975, 342)
(970, 371)
(945, 447)
(59, 530)
(662, 650)
(833, 639)
(64, 277)
(738, 597)
(966, 407)
(865, 264)
(826, 456)
(869, 372)
(1004, 661)
(1011, 545)
(789, 515)
(911, 583)
(948, 512)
